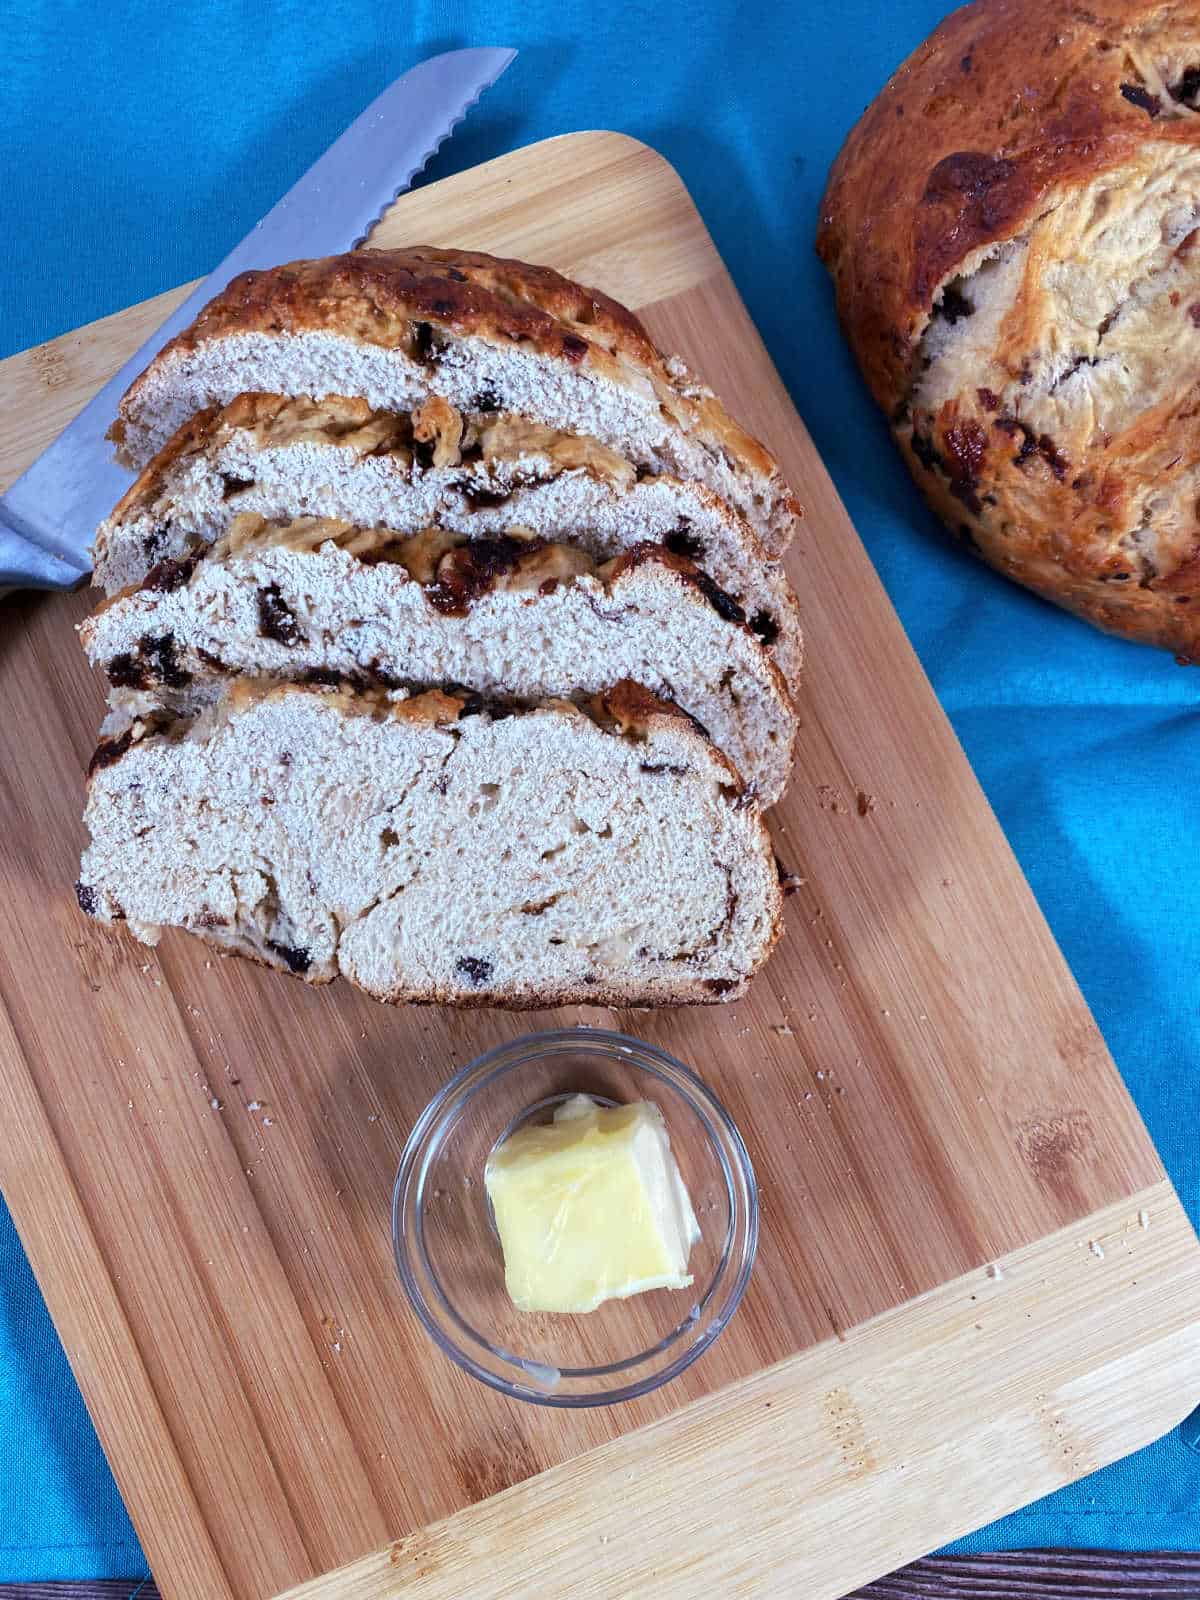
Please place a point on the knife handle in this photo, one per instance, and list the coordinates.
(25, 565)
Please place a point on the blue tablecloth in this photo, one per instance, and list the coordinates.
(141, 140)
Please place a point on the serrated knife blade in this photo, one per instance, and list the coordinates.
(49, 515)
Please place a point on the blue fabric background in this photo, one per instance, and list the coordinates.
(141, 140)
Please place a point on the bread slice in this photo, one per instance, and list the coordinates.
(399, 326)
(506, 616)
(602, 854)
(477, 474)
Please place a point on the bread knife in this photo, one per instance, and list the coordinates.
(50, 514)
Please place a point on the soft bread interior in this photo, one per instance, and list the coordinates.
(472, 473)
(427, 853)
(661, 432)
(509, 616)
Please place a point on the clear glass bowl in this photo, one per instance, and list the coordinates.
(449, 1256)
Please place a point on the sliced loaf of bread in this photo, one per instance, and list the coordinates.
(604, 853)
(399, 326)
(476, 473)
(511, 616)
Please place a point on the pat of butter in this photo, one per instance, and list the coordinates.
(590, 1207)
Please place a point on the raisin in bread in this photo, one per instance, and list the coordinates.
(601, 854)
(475, 473)
(399, 326)
(505, 616)
(1012, 231)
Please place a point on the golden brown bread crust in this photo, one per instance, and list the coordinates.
(1001, 142)
(378, 292)
(377, 295)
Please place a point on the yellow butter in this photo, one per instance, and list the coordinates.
(590, 1207)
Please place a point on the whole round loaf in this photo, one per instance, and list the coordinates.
(1012, 231)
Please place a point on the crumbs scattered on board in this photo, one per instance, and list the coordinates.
(865, 803)
(1143, 1219)
(1096, 1248)
(995, 1271)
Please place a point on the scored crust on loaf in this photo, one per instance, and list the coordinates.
(506, 616)
(1012, 229)
(546, 856)
(399, 326)
(476, 474)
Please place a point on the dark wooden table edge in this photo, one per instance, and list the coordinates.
(1012, 1575)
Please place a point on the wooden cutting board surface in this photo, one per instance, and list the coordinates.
(199, 1153)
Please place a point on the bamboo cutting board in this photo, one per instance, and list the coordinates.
(974, 1284)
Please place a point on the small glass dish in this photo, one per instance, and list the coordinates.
(449, 1256)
